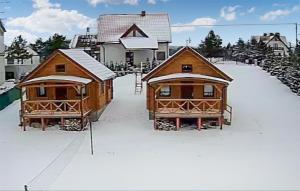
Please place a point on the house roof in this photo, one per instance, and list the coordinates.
(2, 26)
(82, 59)
(111, 27)
(89, 63)
(139, 43)
(182, 50)
(269, 38)
(80, 41)
(59, 78)
(185, 75)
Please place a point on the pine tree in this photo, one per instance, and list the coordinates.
(40, 47)
(211, 46)
(17, 50)
(56, 42)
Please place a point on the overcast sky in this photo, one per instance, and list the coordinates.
(41, 18)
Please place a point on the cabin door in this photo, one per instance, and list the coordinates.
(187, 93)
(61, 93)
(129, 58)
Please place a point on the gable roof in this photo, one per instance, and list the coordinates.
(111, 27)
(2, 26)
(82, 59)
(269, 38)
(181, 51)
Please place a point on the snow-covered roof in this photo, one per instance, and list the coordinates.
(269, 38)
(89, 63)
(185, 75)
(81, 41)
(111, 27)
(176, 54)
(139, 43)
(60, 78)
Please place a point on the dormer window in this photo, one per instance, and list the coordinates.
(187, 68)
(60, 68)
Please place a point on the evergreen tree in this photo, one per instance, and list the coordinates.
(17, 50)
(56, 42)
(40, 47)
(211, 46)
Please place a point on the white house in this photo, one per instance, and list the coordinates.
(277, 42)
(17, 70)
(134, 38)
(2, 48)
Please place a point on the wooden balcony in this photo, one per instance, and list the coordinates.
(56, 108)
(188, 108)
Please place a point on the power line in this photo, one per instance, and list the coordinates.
(230, 25)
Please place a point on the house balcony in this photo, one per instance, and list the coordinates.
(188, 108)
(56, 108)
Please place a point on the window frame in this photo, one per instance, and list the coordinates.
(38, 91)
(209, 94)
(84, 91)
(56, 67)
(159, 52)
(186, 65)
(161, 93)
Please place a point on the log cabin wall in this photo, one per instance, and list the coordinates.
(198, 67)
(187, 58)
(98, 98)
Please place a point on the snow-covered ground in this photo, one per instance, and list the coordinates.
(259, 151)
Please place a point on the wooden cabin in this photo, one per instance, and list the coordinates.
(187, 86)
(69, 84)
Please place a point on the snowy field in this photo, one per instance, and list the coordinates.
(259, 151)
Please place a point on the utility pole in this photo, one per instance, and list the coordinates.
(296, 25)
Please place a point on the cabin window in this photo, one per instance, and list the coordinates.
(161, 55)
(60, 68)
(84, 92)
(41, 91)
(208, 91)
(165, 91)
(187, 68)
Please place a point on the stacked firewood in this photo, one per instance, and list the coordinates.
(165, 125)
(71, 125)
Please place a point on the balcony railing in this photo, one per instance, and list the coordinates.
(56, 107)
(188, 106)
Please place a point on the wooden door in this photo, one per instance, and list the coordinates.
(61, 93)
(187, 93)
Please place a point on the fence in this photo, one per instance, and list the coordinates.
(8, 97)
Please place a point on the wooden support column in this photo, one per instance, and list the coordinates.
(24, 124)
(62, 121)
(81, 106)
(221, 123)
(199, 123)
(43, 124)
(177, 123)
(154, 123)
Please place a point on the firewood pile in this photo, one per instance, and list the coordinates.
(72, 125)
(165, 125)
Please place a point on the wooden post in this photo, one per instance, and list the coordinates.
(199, 123)
(62, 121)
(81, 106)
(177, 123)
(24, 124)
(43, 124)
(221, 122)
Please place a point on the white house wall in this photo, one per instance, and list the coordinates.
(115, 53)
(280, 44)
